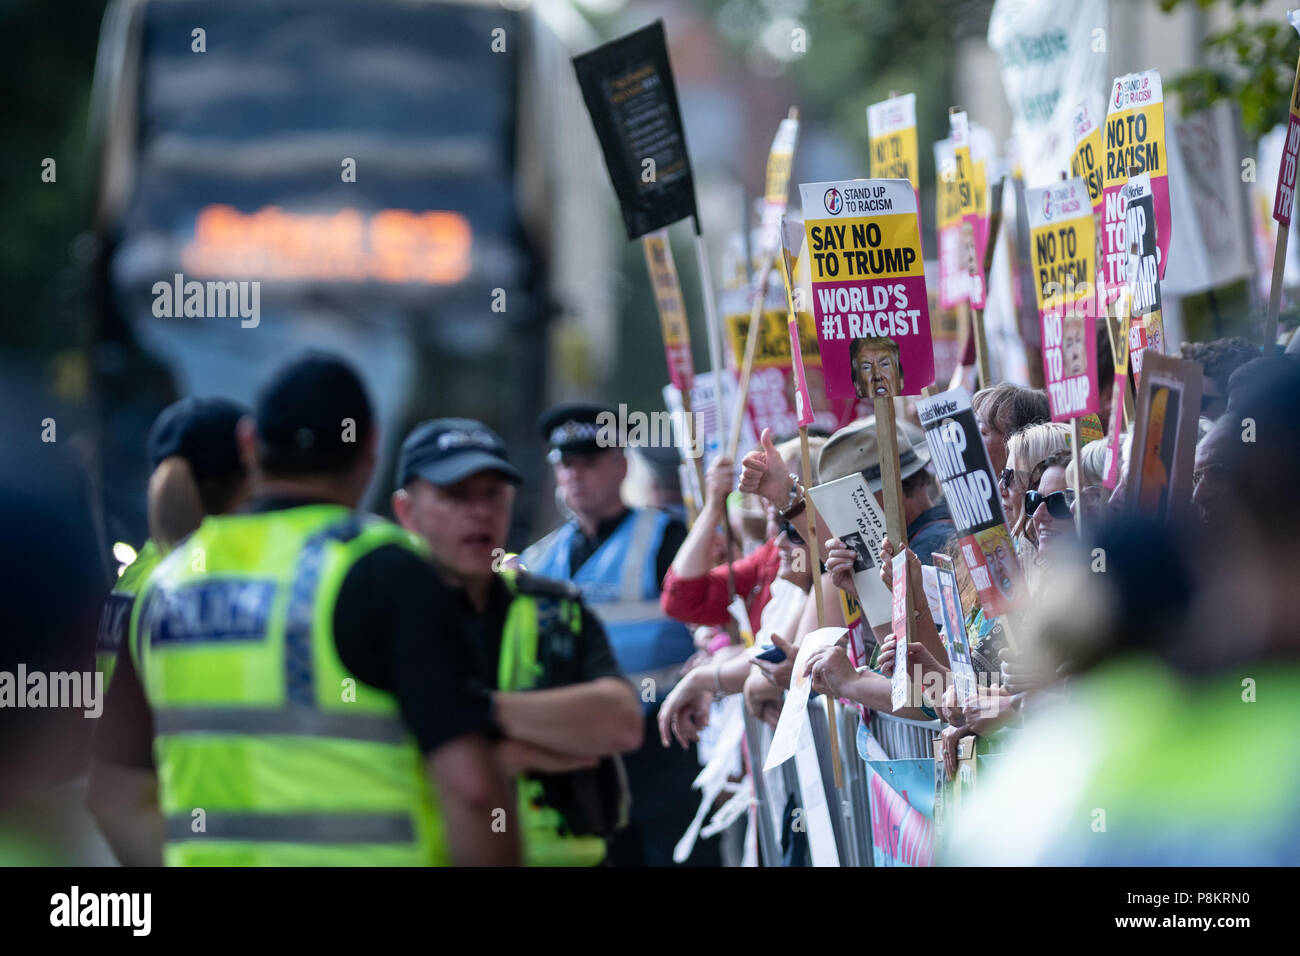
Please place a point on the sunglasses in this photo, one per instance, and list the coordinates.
(1007, 477)
(795, 537)
(1058, 503)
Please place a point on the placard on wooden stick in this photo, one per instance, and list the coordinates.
(1164, 438)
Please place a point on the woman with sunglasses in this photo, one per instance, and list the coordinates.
(1049, 505)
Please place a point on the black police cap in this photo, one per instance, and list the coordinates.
(446, 450)
(202, 431)
(302, 409)
(577, 427)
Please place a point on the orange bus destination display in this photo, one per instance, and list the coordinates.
(391, 245)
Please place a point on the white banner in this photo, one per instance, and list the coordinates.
(1210, 144)
(1053, 55)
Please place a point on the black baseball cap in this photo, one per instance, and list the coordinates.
(302, 415)
(445, 450)
(574, 427)
(202, 431)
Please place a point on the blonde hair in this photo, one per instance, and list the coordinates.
(175, 508)
(1028, 447)
(1091, 459)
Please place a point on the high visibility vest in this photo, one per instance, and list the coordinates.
(619, 584)
(531, 618)
(269, 752)
(115, 619)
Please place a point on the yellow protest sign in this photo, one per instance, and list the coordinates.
(891, 128)
(1061, 233)
(868, 285)
(672, 310)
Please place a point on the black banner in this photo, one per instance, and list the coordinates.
(961, 463)
(628, 87)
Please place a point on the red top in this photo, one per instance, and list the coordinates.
(703, 600)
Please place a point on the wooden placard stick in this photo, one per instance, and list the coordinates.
(1076, 448)
(675, 330)
(751, 347)
(891, 482)
(977, 315)
(890, 479)
(1275, 289)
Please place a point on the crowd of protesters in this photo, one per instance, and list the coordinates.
(583, 683)
(1141, 628)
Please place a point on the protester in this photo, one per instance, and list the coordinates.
(1004, 409)
(1086, 476)
(775, 605)
(556, 692)
(1135, 787)
(696, 589)
(854, 448)
(300, 621)
(1218, 359)
(1050, 504)
(618, 556)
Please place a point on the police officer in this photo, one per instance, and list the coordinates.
(558, 694)
(618, 556)
(304, 711)
(196, 470)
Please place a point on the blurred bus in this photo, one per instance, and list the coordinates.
(409, 183)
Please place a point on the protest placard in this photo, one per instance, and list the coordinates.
(969, 199)
(891, 130)
(1284, 203)
(899, 684)
(672, 311)
(853, 515)
(1146, 326)
(773, 349)
(1052, 55)
(779, 162)
(868, 285)
(1285, 200)
(705, 399)
(1164, 438)
(1135, 138)
(1087, 163)
(1118, 397)
(1210, 143)
(776, 193)
(1062, 235)
(794, 713)
(1087, 158)
(970, 488)
(628, 87)
(954, 627)
(804, 415)
(985, 181)
(822, 850)
(953, 282)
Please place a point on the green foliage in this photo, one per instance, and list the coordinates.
(47, 56)
(1250, 61)
(859, 50)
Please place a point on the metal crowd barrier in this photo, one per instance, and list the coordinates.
(901, 739)
(904, 739)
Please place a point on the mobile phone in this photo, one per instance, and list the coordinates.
(770, 653)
